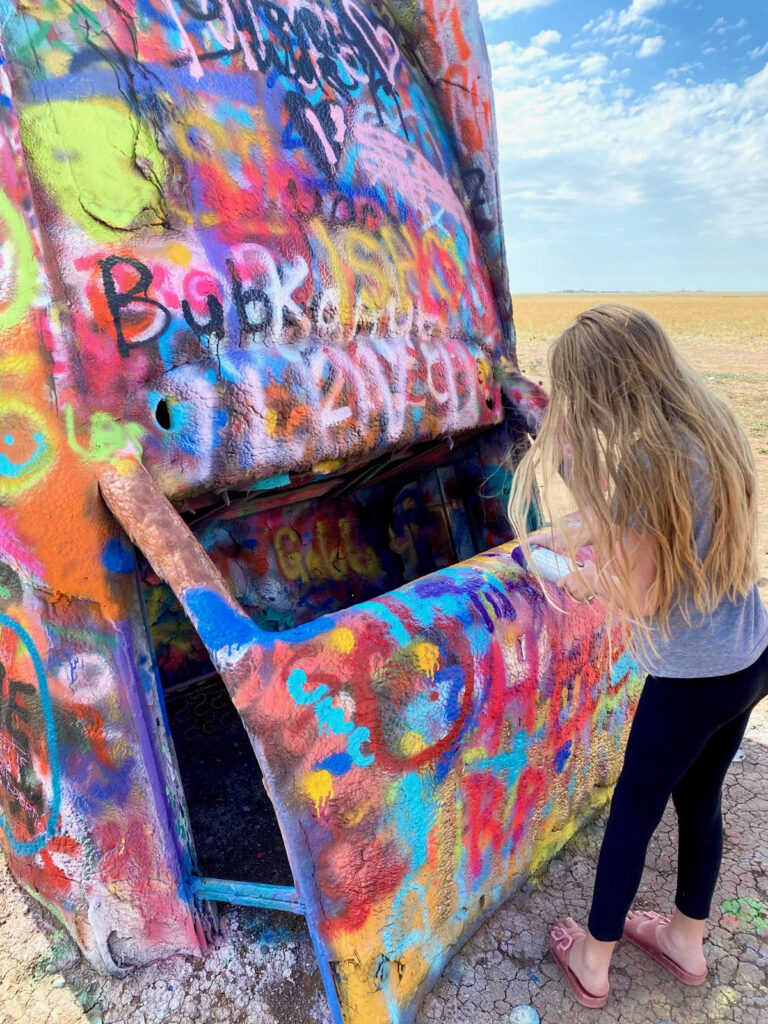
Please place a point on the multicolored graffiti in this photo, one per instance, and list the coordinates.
(253, 295)
(424, 750)
(76, 762)
(271, 237)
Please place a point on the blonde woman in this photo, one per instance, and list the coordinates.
(664, 481)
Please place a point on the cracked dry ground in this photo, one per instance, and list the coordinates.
(262, 969)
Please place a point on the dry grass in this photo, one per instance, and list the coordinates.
(724, 335)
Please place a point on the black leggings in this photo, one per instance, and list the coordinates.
(683, 738)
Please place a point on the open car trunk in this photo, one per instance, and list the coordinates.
(288, 559)
(427, 727)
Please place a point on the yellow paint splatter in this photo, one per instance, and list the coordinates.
(342, 639)
(412, 743)
(318, 786)
(179, 253)
(427, 658)
(328, 466)
(270, 420)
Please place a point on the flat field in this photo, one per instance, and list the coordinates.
(724, 335)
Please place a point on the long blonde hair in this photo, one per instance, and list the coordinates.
(625, 415)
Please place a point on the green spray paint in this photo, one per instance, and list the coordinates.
(748, 911)
(17, 250)
(106, 178)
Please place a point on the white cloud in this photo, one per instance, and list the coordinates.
(638, 9)
(685, 70)
(635, 14)
(546, 38)
(512, 64)
(651, 46)
(595, 64)
(492, 10)
(759, 51)
(570, 138)
(721, 26)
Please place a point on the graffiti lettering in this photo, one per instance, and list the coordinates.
(263, 296)
(332, 556)
(15, 715)
(329, 56)
(137, 319)
(266, 305)
(322, 128)
(29, 771)
(215, 325)
(109, 437)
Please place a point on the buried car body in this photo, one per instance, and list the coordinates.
(260, 406)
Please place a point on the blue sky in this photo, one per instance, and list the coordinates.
(633, 142)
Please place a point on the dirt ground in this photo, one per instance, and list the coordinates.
(262, 969)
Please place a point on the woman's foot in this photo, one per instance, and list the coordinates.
(583, 961)
(675, 944)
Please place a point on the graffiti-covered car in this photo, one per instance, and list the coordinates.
(260, 408)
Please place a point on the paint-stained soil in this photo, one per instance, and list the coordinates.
(262, 969)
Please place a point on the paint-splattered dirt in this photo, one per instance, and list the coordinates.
(262, 969)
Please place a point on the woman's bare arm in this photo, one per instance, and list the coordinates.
(641, 553)
(570, 534)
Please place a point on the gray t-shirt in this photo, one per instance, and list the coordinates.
(730, 639)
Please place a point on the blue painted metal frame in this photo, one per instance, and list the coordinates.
(247, 894)
(271, 897)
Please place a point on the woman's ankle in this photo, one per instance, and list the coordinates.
(595, 954)
(685, 935)
(687, 929)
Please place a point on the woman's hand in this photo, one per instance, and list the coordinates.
(551, 537)
(558, 538)
(641, 559)
(582, 586)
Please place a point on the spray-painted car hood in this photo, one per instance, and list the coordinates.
(275, 228)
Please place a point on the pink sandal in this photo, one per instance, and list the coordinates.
(642, 933)
(561, 939)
